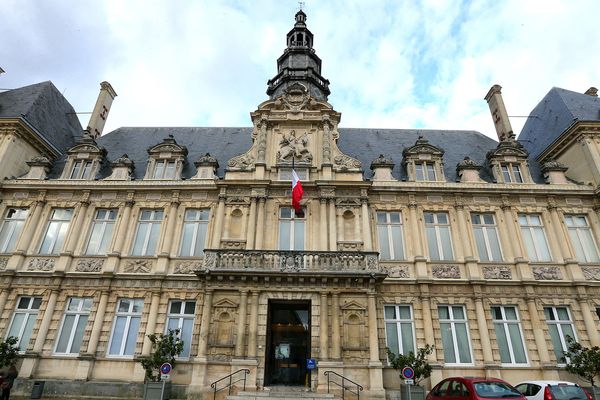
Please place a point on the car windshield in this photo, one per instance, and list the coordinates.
(567, 392)
(495, 390)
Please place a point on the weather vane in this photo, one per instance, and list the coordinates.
(300, 5)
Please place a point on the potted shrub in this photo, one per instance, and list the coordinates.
(585, 362)
(164, 350)
(418, 362)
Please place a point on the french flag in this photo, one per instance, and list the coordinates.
(297, 193)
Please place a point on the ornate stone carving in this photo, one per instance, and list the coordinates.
(372, 262)
(446, 271)
(3, 263)
(349, 246)
(381, 162)
(547, 273)
(396, 271)
(346, 162)
(591, 273)
(41, 264)
(138, 266)
(291, 263)
(210, 260)
(207, 161)
(188, 267)
(497, 272)
(243, 161)
(293, 147)
(92, 265)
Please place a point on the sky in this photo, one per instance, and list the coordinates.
(391, 64)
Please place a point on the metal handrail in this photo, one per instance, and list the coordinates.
(231, 382)
(359, 387)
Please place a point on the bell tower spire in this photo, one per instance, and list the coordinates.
(299, 64)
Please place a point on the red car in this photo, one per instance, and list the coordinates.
(459, 388)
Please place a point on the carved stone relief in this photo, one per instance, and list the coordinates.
(93, 265)
(446, 271)
(41, 264)
(138, 266)
(547, 273)
(591, 273)
(396, 271)
(294, 147)
(223, 325)
(188, 267)
(354, 330)
(243, 161)
(497, 272)
(291, 263)
(346, 162)
(3, 263)
(210, 260)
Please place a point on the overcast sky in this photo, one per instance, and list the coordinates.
(391, 64)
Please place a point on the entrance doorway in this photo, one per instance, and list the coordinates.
(288, 343)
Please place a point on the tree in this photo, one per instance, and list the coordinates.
(8, 351)
(164, 350)
(582, 361)
(418, 362)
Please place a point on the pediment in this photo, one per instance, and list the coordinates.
(422, 146)
(353, 306)
(225, 303)
(508, 148)
(168, 145)
(88, 145)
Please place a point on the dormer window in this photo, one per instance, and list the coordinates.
(84, 159)
(511, 173)
(166, 160)
(81, 170)
(508, 162)
(164, 170)
(423, 162)
(425, 171)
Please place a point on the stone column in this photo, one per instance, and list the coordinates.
(98, 322)
(31, 242)
(43, 331)
(76, 233)
(484, 335)
(332, 226)
(241, 325)
(373, 332)
(366, 225)
(3, 297)
(324, 332)
(505, 240)
(467, 248)
(122, 229)
(589, 320)
(552, 237)
(218, 230)
(151, 324)
(205, 323)
(512, 231)
(556, 226)
(260, 224)
(336, 349)
(253, 328)
(323, 230)
(415, 229)
(427, 322)
(538, 331)
(170, 228)
(31, 226)
(251, 233)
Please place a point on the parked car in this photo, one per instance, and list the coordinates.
(553, 390)
(459, 388)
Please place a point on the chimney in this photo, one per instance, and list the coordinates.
(592, 92)
(499, 114)
(101, 109)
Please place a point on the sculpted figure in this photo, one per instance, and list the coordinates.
(292, 146)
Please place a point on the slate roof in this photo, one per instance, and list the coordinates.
(45, 108)
(557, 111)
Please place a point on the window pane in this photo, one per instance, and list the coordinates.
(458, 312)
(392, 337)
(517, 343)
(543, 245)
(186, 336)
(502, 343)
(446, 243)
(117, 338)
(284, 234)
(299, 235)
(106, 238)
(430, 172)
(494, 244)
(434, 251)
(65, 334)
(138, 305)
(397, 242)
(389, 312)
(529, 245)
(407, 338)
(27, 331)
(384, 245)
(480, 241)
(173, 324)
(200, 239)
(443, 312)
(50, 239)
(464, 347)
(419, 172)
(447, 343)
(188, 237)
(17, 324)
(404, 312)
(80, 329)
(37, 301)
(556, 343)
(140, 237)
(190, 307)
(134, 325)
(175, 307)
(153, 239)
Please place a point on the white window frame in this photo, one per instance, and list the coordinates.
(62, 234)
(530, 227)
(105, 223)
(196, 223)
(437, 226)
(486, 231)
(83, 310)
(389, 235)
(29, 312)
(12, 227)
(559, 327)
(399, 321)
(504, 323)
(589, 251)
(511, 172)
(81, 169)
(425, 169)
(294, 220)
(129, 315)
(453, 322)
(151, 222)
(162, 171)
(181, 317)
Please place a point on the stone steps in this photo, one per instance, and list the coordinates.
(281, 395)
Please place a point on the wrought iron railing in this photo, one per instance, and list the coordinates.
(230, 383)
(355, 388)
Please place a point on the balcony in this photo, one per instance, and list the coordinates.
(278, 261)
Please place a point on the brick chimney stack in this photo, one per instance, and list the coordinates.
(499, 114)
(101, 109)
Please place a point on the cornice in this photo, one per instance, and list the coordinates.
(32, 136)
(567, 138)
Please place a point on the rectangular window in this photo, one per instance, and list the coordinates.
(291, 230)
(560, 325)
(125, 327)
(437, 228)
(391, 239)
(425, 172)
(81, 170)
(58, 226)
(534, 237)
(399, 329)
(508, 333)
(511, 173)
(73, 325)
(11, 228)
(181, 316)
(148, 230)
(195, 226)
(486, 237)
(23, 320)
(455, 335)
(582, 239)
(164, 169)
(102, 231)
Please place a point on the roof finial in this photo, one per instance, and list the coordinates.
(300, 5)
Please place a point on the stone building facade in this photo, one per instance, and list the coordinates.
(486, 249)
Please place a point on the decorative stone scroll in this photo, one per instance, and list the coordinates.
(138, 266)
(547, 273)
(497, 272)
(92, 265)
(346, 162)
(243, 161)
(188, 267)
(446, 271)
(591, 273)
(396, 271)
(41, 264)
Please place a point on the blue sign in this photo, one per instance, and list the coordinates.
(311, 363)
(408, 373)
(165, 368)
